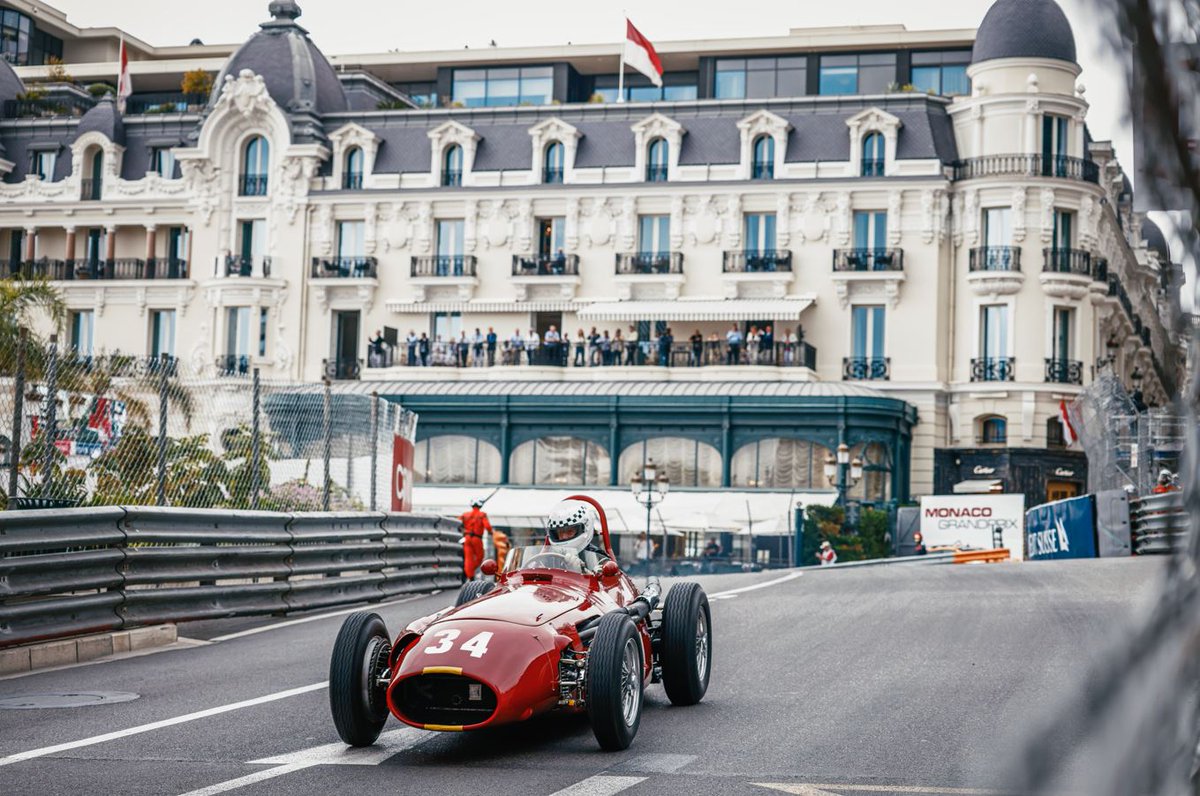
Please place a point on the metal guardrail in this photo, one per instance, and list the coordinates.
(74, 571)
(1159, 523)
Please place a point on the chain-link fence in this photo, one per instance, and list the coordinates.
(120, 430)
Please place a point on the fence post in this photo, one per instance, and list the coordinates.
(163, 372)
(374, 449)
(51, 431)
(255, 442)
(328, 443)
(18, 412)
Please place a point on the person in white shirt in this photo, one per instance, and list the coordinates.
(477, 349)
(516, 344)
(643, 549)
(789, 347)
(531, 345)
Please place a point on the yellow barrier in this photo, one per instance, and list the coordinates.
(972, 556)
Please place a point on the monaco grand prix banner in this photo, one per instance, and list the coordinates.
(402, 473)
(971, 521)
(1063, 529)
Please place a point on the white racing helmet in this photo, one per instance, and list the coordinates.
(571, 526)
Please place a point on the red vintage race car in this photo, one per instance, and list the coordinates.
(560, 630)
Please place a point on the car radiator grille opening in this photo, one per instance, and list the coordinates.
(444, 699)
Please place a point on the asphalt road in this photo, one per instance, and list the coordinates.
(870, 681)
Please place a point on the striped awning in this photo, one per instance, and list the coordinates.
(788, 309)
(423, 307)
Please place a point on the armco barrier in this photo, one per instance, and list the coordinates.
(73, 571)
(1159, 522)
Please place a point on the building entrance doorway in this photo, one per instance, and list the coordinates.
(344, 362)
(1061, 490)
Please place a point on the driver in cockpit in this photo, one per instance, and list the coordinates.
(571, 528)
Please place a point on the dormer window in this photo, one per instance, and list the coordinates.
(552, 166)
(162, 162)
(452, 166)
(43, 163)
(657, 159)
(763, 165)
(255, 167)
(873, 155)
(352, 176)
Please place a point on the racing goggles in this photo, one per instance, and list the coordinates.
(565, 533)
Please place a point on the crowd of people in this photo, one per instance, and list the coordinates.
(594, 348)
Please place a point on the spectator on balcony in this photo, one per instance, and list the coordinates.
(516, 344)
(580, 349)
(412, 341)
(697, 341)
(618, 347)
(491, 346)
(752, 345)
(768, 345)
(477, 349)
(790, 342)
(533, 344)
(553, 342)
(464, 349)
(713, 344)
(376, 355)
(631, 346)
(559, 264)
(423, 349)
(733, 346)
(605, 345)
(593, 348)
(665, 341)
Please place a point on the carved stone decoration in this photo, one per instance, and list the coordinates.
(424, 224)
(448, 134)
(677, 227)
(656, 125)
(346, 138)
(399, 226)
(895, 223)
(873, 120)
(957, 215)
(542, 135)
(970, 217)
(470, 225)
(928, 201)
(1018, 214)
(702, 227)
(943, 216)
(843, 219)
(201, 179)
(371, 228)
(783, 220)
(814, 219)
(247, 94)
(322, 233)
(1087, 218)
(628, 224)
(571, 222)
(733, 223)
(760, 123)
(290, 191)
(524, 221)
(599, 229)
(1047, 199)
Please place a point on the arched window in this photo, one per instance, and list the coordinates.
(872, 155)
(352, 177)
(763, 166)
(993, 431)
(93, 183)
(568, 461)
(552, 166)
(776, 463)
(453, 459)
(255, 167)
(685, 462)
(656, 162)
(452, 166)
(876, 482)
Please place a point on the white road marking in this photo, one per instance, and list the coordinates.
(304, 619)
(599, 785)
(756, 586)
(249, 779)
(655, 763)
(158, 725)
(801, 789)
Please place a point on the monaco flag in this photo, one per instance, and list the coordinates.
(1068, 430)
(639, 53)
(124, 84)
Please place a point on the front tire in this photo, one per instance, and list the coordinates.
(686, 644)
(360, 657)
(614, 682)
(472, 590)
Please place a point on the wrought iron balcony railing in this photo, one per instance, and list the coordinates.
(1067, 261)
(252, 185)
(650, 263)
(352, 181)
(868, 259)
(1100, 269)
(993, 369)
(656, 174)
(552, 176)
(866, 368)
(344, 268)
(762, 171)
(1064, 371)
(239, 265)
(343, 369)
(545, 265)
(760, 262)
(233, 365)
(451, 178)
(995, 258)
(447, 265)
(91, 189)
(872, 167)
(1025, 165)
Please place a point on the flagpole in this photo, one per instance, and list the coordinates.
(621, 69)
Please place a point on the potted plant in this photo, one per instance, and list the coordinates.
(196, 86)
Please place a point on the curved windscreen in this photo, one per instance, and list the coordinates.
(547, 557)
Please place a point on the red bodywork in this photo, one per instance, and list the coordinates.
(449, 660)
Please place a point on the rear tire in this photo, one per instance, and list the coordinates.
(686, 644)
(360, 657)
(614, 682)
(472, 590)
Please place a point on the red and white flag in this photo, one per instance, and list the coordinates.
(1068, 430)
(640, 54)
(124, 84)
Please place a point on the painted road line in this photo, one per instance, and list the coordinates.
(249, 779)
(158, 725)
(599, 785)
(756, 586)
(654, 763)
(305, 619)
(834, 789)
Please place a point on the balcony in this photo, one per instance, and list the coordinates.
(552, 176)
(546, 277)
(757, 274)
(233, 365)
(244, 266)
(444, 265)
(868, 259)
(762, 171)
(91, 189)
(344, 268)
(656, 174)
(763, 262)
(995, 270)
(72, 270)
(995, 258)
(1060, 166)
(650, 263)
(1066, 273)
(993, 369)
(545, 265)
(449, 277)
(1064, 371)
(252, 185)
(452, 178)
(866, 368)
(872, 167)
(343, 369)
(649, 275)
(352, 181)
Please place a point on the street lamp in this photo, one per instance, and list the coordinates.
(649, 488)
(843, 472)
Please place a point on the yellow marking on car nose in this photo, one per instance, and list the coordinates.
(443, 727)
(442, 670)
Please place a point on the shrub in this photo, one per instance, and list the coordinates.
(98, 90)
(197, 82)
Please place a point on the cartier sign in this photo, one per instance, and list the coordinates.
(1063, 472)
(981, 470)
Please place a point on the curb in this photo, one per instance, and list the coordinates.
(63, 652)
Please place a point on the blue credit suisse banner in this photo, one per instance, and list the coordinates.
(1063, 529)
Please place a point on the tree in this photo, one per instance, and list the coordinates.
(21, 300)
